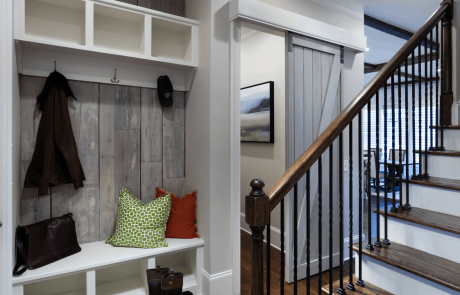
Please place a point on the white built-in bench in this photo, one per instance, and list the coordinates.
(105, 269)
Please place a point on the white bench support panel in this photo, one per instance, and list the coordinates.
(91, 282)
(119, 270)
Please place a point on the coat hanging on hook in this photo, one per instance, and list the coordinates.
(55, 159)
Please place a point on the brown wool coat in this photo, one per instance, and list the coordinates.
(55, 160)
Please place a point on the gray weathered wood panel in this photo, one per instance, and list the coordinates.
(127, 161)
(119, 136)
(145, 3)
(174, 138)
(33, 208)
(176, 7)
(175, 185)
(151, 127)
(152, 177)
(84, 202)
(134, 2)
(108, 195)
(127, 107)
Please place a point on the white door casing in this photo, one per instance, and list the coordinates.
(312, 102)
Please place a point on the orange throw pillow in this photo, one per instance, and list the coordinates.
(181, 222)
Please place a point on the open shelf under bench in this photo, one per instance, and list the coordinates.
(102, 263)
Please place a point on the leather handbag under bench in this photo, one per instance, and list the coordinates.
(45, 242)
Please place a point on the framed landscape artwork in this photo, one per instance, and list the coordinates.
(257, 113)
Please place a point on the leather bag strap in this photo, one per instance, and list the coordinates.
(21, 256)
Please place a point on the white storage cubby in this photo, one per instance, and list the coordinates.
(57, 20)
(171, 40)
(107, 270)
(120, 30)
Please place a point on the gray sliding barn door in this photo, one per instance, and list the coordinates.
(313, 73)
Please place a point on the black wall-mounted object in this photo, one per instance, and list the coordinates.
(165, 91)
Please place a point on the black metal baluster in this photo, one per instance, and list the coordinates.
(393, 178)
(385, 241)
(420, 172)
(320, 227)
(441, 106)
(400, 166)
(360, 281)
(432, 147)
(351, 286)
(407, 136)
(368, 178)
(295, 238)
(437, 89)
(377, 166)
(308, 232)
(414, 171)
(268, 254)
(282, 248)
(426, 175)
(331, 201)
(341, 290)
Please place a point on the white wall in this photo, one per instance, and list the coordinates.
(325, 14)
(207, 159)
(262, 60)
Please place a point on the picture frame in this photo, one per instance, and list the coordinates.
(257, 113)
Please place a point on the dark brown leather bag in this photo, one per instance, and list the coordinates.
(45, 242)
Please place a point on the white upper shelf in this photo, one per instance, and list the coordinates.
(108, 27)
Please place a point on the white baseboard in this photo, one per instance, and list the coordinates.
(275, 241)
(275, 234)
(220, 283)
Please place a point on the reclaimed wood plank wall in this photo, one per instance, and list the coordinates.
(124, 139)
(176, 7)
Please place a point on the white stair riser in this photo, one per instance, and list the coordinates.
(451, 139)
(397, 281)
(442, 166)
(435, 199)
(433, 241)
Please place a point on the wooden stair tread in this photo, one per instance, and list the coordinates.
(434, 268)
(369, 289)
(441, 153)
(445, 222)
(446, 183)
(446, 127)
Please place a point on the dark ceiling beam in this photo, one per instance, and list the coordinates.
(394, 30)
(371, 68)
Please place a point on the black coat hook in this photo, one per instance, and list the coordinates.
(114, 80)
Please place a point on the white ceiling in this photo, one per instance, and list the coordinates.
(406, 14)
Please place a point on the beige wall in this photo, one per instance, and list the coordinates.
(262, 60)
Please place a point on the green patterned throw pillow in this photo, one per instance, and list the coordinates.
(141, 225)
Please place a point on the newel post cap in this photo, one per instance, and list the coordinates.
(257, 205)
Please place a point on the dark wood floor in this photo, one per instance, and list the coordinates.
(275, 266)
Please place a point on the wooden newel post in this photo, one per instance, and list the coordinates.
(257, 217)
(448, 95)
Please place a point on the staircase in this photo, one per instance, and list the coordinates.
(417, 248)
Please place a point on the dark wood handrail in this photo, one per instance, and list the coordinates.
(319, 146)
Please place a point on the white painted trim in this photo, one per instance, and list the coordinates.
(340, 8)
(6, 145)
(262, 13)
(235, 151)
(220, 283)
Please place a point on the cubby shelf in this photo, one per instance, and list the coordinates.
(111, 269)
(116, 29)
